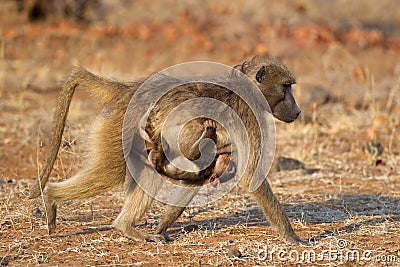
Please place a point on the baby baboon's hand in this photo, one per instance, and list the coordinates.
(210, 129)
(210, 124)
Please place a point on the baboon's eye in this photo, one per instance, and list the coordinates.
(261, 73)
(287, 87)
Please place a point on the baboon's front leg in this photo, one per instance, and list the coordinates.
(272, 209)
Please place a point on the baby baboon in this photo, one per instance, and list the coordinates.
(159, 161)
(107, 166)
(224, 169)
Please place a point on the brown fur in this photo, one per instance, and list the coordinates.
(220, 164)
(107, 166)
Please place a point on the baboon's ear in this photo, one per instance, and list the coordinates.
(261, 74)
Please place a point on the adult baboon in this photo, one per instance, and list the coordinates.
(107, 166)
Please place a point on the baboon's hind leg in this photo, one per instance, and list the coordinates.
(51, 212)
(137, 201)
(93, 180)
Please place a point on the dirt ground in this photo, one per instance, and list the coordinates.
(346, 57)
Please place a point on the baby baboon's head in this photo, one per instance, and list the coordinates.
(275, 82)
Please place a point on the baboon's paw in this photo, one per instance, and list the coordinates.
(51, 227)
(51, 212)
(158, 238)
(142, 236)
(295, 240)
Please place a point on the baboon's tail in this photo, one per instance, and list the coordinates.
(91, 181)
(104, 89)
(63, 103)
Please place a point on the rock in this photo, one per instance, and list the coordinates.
(234, 253)
(374, 148)
(319, 96)
(190, 228)
(38, 213)
(288, 164)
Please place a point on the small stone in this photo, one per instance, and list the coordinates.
(5, 261)
(306, 118)
(191, 228)
(234, 253)
(319, 96)
(374, 148)
(288, 164)
(38, 213)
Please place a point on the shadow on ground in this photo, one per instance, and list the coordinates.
(341, 209)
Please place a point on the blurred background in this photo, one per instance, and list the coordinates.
(132, 38)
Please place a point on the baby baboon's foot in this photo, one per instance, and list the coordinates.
(214, 180)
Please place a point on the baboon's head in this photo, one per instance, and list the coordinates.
(275, 82)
